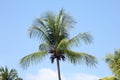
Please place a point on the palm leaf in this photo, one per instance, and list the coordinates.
(32, 58)
(13, 74)
(38, 33)
(109, 58)
(4, 72)
(57, 25)
(41, 23)
(81, 37)
(62, 45)
(1, 69)
(78, 57)
(8, 75)
(89, 60)
(59, 18)
(50, 20)
(44, 47)
(67, 21)
(113, 61)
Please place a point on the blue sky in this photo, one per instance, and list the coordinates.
(99, 17)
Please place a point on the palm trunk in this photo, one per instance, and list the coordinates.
(58, 67)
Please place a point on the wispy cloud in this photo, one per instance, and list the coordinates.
(49, 74)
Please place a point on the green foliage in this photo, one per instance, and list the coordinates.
(113, 61)
(5, 74)
(109, 78)
(32, 58)
(53, 32)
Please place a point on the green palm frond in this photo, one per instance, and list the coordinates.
(89, 60)
(109, 78)
(111, 65)
(78, 57)
(1, 69)
(73, 57)
(61, 31)
(78, 39)
(62, 45)
(109, 58)
(44, 47)
(41, 23)
(38, 33)
(12, 74)
(113, 61)
(8, 75)
(58, 20)
(67, 21)
(117, 54)
(50, 20)
(6, 72)
(32, 58)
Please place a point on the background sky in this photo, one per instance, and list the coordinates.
(99, 17)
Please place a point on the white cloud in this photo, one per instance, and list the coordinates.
(44, 74)
(49, 74)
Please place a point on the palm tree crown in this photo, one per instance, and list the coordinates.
(53, 31)
(113, 61)
(9, 75)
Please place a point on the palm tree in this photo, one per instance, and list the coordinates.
(109, 78)
(9, 75)
(53, 31)
(113, 61)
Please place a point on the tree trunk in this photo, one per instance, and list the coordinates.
(58, 67)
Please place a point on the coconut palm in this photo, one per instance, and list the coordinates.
(9, 75)
(113, 61)
(53, 31)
